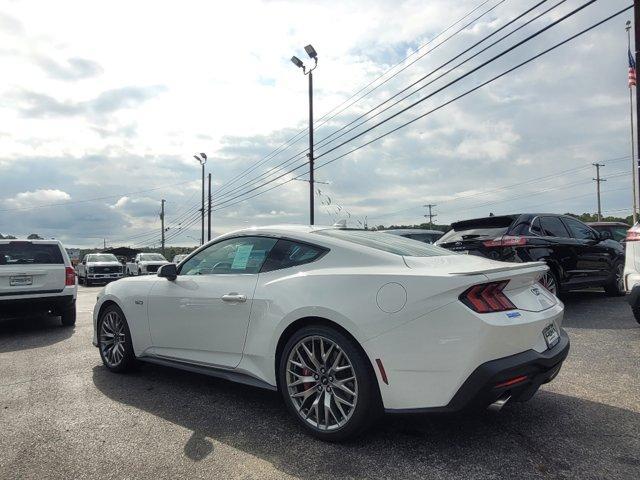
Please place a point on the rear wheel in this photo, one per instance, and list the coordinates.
(328, 384)
(68, 316)
(550, 281)
(114, 340)
(636, 313)
(616, 287)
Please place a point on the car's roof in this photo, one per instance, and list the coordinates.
(400, 231)
(25, 240)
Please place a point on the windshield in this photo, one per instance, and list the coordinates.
(155, 257)
(101, 257)
(387, 243)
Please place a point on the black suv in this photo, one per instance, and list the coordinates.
(577, 255)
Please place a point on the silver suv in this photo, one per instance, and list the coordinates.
(36, 277)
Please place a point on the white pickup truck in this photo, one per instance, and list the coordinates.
(99, 267)
(145, 264)
(36, 277)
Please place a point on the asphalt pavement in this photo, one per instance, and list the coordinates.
(63, 415)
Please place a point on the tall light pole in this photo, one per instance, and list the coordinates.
(632, 82)
(202, 159)
(298, 63)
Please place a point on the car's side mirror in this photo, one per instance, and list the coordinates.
(168, 271)
(84, 262)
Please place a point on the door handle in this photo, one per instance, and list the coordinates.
(234, 298)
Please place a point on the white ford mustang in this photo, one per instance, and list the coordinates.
(344, 323)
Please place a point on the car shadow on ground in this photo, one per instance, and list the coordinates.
(552, 435)
(595, 310)
(31, 332)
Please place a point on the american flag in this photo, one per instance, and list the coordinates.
(632, 70)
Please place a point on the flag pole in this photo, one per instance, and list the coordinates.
(633, 153)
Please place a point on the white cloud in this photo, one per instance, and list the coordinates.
(98, 112)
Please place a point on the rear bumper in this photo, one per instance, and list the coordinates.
(30, 306)
(482, 387)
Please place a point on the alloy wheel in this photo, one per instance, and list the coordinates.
(112, 339)
(620, 277)
(321, 383)
(548, 281)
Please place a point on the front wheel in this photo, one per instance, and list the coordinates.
(616, 287)
(328, 384)
(114, 340)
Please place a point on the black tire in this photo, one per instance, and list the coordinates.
(636, 313)
(368, 405)
(616, 287)
(68, 316)
(139, 271)
(87, 282)
(128, 360)
(80, 280)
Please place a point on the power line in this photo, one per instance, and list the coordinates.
(483, 84)
(322, 122)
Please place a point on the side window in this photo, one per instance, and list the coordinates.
(536, 229)
(288, 254)
(578, 229)
(553, 227)
(235, 255)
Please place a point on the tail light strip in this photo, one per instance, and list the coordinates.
(506, 241)
(487, 298)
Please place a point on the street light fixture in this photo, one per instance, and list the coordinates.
(202, 159)
(311, 52)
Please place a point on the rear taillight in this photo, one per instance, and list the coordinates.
(633, 235)
(69, 276)
(506, 241)
(487, 298)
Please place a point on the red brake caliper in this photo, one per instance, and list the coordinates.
(306, 385)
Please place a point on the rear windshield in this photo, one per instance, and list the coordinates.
(482, 228)
(101, 257)
(387, 242)
(23, 253)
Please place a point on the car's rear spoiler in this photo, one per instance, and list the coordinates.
(505, 268)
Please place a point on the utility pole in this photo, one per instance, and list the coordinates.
(636, 31)
(104, 243)
(162, 224)
(598, 180)
(209, 212)
(632, 82)
(202, 159)
(431, 215)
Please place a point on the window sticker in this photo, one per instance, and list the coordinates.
(241, 258)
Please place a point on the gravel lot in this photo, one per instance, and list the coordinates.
(62, 415)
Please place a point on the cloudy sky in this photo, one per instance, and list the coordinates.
(102, 106)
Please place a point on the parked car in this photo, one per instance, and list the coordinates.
(344, 323)
(36, 277)
(577, 255)
(426, 236)
(618, 230)
(632, 269)
(145, 263)
(178, 258)
(99, 267)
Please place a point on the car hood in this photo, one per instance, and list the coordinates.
(104, 264)
(153, 262)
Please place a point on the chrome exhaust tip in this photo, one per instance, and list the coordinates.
(498, 404)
